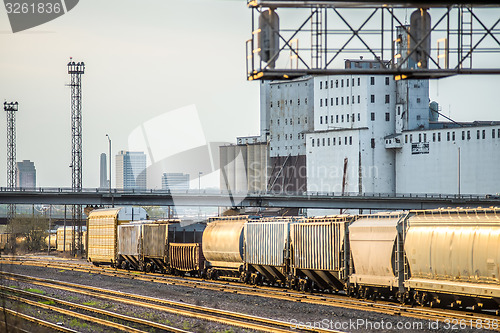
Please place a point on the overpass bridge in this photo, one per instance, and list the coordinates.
(116, 197)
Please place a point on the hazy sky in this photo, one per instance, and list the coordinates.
(143, 59)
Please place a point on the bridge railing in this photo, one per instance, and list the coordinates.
(216, 192)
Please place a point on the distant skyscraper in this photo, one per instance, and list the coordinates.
(131, 170)
(103, 172)
(26, 174)
(175, 181)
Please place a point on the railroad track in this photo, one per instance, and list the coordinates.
(443, 315)
(178, 308)
(37, 321)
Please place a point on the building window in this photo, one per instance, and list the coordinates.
(305, 120)
(463, 135)
(386, 80)
(418, 99)
(419, 137)
(387, 116)
(286, 102)
(433, 137)
(373, 116)
(372, 80)
(331, 83)
(347, 98)
(347, 117)
(290, 102)
(340, 141)
(439, 137)
(320, 102)
(352, 99)
(328, 141)
(326, 119)
(359, 99)
(326, 101)
(342, 100)
(278, 103)
(278, 121)
(336, 101)
(313, 142)
(342, 83)
(484, 134)
(331, 101)
(453, 136)
(447, 136)
(359, 81)
(468, 135)
(286, 136)
(298, 120)
(345, 140)
(331, 119)
(286, 121)
(353, 82)
(298, 101)
(372, 98)
(323, 142)
(336, 83)
(305, 100)
(334, 141)
(406, 138)
(271, 104)
(477, 134)
(321, 120)
(359, 117)
(337, 118)
(350, 140)
(411, 138)
(373, 143)
(278, 137)
(352, 118)
(342, 118)
(425, 137)
(387, 99)
(320, 84)
(347, 82)
(326, 84)
(418, 117)
(498, 133)
(493, 133)
(317, 142)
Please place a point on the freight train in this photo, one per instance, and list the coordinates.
(443, 257)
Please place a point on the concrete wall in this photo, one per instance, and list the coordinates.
(436, 170)
(244, 168)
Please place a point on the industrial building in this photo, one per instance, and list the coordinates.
(365, 134)
(130, 170)
(175, 181)
(26, 174)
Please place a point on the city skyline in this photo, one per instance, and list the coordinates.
(136, 72)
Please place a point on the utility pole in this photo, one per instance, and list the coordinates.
(11, 109)
(76, 70)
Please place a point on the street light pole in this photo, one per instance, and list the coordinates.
(109, 142)
(199, 181)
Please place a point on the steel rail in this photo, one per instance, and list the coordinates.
(287, 295)
(183, 309)
(37, 321)
(67, 312)
(99, 311)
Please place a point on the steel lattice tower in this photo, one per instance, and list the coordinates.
(11, 109)
(75, 70)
